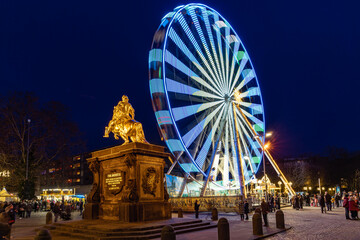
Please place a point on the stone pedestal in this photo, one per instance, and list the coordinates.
(128, 184)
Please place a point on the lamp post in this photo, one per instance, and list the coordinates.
(27, 152)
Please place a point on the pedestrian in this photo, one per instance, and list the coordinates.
(337, 200)
(196, 206)
(297, 202)
(277, 202)
(328, 201)
(11, 218)
(322, 203)
(265, 211)
(28, 209)
(301, 201)
(353, 208)
(56, 210)
(346, 206)
(241, 210)
(81, 207)
(246, 210)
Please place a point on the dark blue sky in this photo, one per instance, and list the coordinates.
(87, 54)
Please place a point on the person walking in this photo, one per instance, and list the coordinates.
(322, 203)
(28, 209)
(11, 218)
(277, 202)
(297, 202)
(196, 207)
(337, 200)
(346, 206)
(265, 211)
(246, 210)
(81, 207)
(353, 208)
(328, 201)
(241, 210)
(56, 210)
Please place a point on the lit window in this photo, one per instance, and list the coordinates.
(78, 180)
(77, 165)
(69, 180)
(51, 170)
(78, 172)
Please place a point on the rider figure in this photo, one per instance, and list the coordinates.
(123, 123)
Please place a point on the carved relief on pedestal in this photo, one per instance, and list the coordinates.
(129, 193)
(150, 180)
(94, 195)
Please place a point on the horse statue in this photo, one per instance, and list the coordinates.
(124, 125)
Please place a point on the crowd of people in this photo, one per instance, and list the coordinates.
(327, 202)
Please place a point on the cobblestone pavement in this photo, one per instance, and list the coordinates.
(307, 224)
(25, 228)
(310, 223)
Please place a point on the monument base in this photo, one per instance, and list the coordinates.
(91, 211)
(129, 184)
(136, 212)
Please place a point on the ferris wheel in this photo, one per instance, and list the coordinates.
(206, 98)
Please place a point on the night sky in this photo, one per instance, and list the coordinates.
(87, 54)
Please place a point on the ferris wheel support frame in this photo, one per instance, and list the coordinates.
(268, 155)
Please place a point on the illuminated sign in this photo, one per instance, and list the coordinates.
(5, 173)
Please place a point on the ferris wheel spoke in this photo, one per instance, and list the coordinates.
(204, 43)
(254, 91)
(233, 61)
(246, 152)
(212, 43)
(249, 75)
(191, 135)
(219, 43)
(186, 111)
(191, 37)
(254, 119)
(249, 136)
(257, 108)
(179, 65)
(176, 87)
(200, 159)
(180, 44)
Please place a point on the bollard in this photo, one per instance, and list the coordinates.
(223, 229)
(180, 213)
(4, 229)
(214, 214)
(257, 225)
(168, 233)
(43, 234)
(280, 220)
(49, 218)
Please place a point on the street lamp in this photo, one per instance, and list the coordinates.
(27, 154)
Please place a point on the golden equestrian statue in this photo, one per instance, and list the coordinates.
(123, 123)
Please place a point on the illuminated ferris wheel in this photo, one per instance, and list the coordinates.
(206, 97)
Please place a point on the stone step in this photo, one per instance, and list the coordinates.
(100, 233)
(88, 234)
(149, 232)
(121, 229)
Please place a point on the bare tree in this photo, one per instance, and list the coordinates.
(46, 139)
